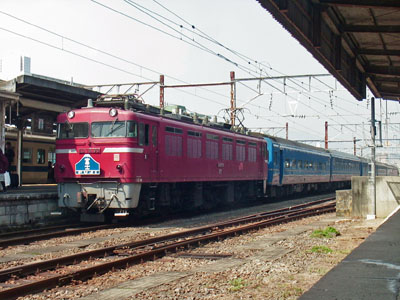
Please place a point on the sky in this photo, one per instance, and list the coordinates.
(96, 42)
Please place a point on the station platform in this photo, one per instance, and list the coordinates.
(370, 272)
(30, 191)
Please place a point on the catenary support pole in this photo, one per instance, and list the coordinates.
(372, 178)
(161, 91)
(326, 135)
(287, 130)
(233, 99)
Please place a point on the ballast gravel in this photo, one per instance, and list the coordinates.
(297, 261)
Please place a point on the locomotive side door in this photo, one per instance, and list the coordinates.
(148, 140)
(153, 150)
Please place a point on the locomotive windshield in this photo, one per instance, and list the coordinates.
(114, 129)
(72, 130)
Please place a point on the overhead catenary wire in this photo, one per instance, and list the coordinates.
(99, 50)
(147, 12)
(144, 77)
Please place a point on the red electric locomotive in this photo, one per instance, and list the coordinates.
(122, 157)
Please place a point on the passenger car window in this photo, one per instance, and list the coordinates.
(40, 156)
(27, 155)
(287, 163)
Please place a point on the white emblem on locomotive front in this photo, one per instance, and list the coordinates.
(87, 166)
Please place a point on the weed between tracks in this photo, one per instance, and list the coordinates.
(237, 284)
(321, 249)
(328, 232)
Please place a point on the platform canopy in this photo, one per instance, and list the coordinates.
(40, 93)
(358, 41)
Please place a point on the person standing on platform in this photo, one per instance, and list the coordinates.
(3, 169)
(10, 156)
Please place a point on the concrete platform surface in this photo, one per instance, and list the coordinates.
(370, 272)
(27, 192)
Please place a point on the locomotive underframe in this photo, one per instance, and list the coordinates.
(96, 199)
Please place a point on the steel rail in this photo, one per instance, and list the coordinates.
(13, 234)
(37, 237)
(156, 252)
(31, 268)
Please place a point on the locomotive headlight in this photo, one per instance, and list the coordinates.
(71, 114)
(113, 112)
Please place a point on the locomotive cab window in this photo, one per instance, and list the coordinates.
(109, 129)
(69, 130)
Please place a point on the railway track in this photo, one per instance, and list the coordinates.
(35, 277)
(29, 236)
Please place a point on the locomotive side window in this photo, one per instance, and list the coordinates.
(194, 133)
(173, 129)
(132, 129)
(143, 134)
(72, 130)
(40, 156)
(154, 135)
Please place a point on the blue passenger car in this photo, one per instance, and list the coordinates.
(344, 166)
(295, 167)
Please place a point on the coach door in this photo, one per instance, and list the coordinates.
(281, 166)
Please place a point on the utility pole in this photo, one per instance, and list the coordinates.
(161, 91)
(326, 135)
(233, 99)
(287, 130)
(372, 178)
(387, 125)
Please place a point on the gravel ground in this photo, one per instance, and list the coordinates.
(299, 261)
